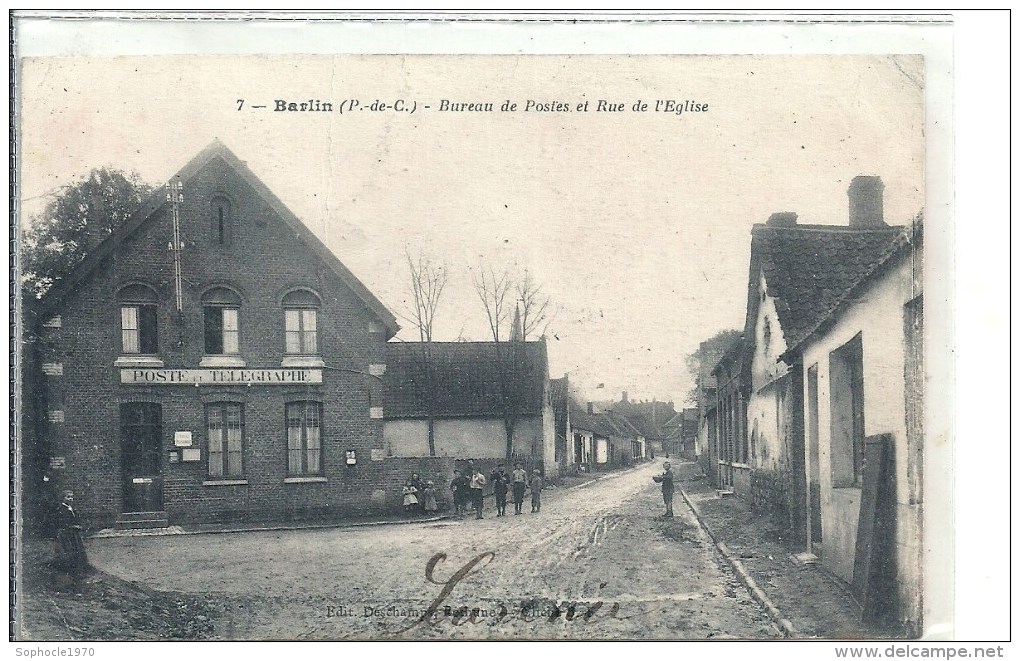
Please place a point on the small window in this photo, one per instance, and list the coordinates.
(221, 225)
(300, 318)
(225, 432)
(221, 312)
(304, 438)
(138, 335)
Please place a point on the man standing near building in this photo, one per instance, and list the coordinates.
(666, 479)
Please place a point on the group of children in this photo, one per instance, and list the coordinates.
(469, 489)
(419, 496)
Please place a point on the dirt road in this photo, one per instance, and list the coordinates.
(596, 563)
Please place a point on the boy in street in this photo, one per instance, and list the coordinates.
(500, 483)
(536, 492)
(477, 491)
(460, 486)
(519, 484)
(666, 480)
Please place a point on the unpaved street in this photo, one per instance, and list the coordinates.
(596, 563)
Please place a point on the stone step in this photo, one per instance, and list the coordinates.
(137, 520)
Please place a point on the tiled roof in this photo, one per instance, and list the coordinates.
(648, 418)
(467, 380)
(598, 423)
(809, 268)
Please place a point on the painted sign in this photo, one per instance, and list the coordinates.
(182, 439)
(188, 377)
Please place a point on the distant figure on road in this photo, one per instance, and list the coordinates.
(520, 483)
(461, 487)
(666, 479)
(428, 498)
(536, 492)
(477, 491)
(500, 484)
(70, 557)
(410, 498)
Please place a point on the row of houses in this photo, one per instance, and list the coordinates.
(815, 415)
(213, 360)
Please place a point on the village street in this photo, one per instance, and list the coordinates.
(599, 543)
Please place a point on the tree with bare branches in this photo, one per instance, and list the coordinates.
(514, 308)
(428, 280)
(535, 312)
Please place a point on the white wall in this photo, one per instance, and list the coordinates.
(462, 438)
(768, 406)
(878, 315)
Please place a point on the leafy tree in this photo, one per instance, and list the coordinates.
(76, 220)
(707, 356)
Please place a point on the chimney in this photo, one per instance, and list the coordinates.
(591, 408)
(623, 397)
(865, 195)
(782, 219)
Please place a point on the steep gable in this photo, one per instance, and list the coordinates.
(808, 269)
(155, 205)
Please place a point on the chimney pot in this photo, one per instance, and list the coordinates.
(623, 397)
(591, 408)
(865, 195)
(782, 219)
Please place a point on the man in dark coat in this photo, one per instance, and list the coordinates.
(461, 486)
(500, 485)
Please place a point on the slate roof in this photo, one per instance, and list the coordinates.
(157, 200)
(467, 380)
(649, 418)
(809, 268)
(598, 423)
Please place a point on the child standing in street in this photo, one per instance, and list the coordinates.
(429, 498)
(500, 483)
(536, 492)
(519, 484)
(410, 499)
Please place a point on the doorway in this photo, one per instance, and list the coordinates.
(141, 435)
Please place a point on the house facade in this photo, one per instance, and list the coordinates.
(864, 381)
(213, 360)
(469, 396)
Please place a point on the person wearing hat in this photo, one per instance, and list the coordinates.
(477, 491)
(500, 484)
(536, 491)
(519, 482)
(71, 558)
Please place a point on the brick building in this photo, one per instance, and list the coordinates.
(237, 377)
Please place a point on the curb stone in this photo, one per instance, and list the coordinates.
(784, 624)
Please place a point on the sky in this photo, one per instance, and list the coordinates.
(636, 224)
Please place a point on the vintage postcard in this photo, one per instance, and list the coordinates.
(497, 346)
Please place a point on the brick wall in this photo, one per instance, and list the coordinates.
(263, 262)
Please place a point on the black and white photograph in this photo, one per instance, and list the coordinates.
(506, 346)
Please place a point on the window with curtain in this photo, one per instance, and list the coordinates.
(304, 438)
(225, 430)
(138, 333)
(300, 320)
(221, 309)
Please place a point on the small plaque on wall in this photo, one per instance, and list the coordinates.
(378, 454)
(191, 454)
(182, 439)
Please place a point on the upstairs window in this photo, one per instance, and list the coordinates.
(221, 221)
(300, 319)
(221, 309)
(138, 334)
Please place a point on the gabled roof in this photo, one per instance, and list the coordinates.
(808, 268)
(158, 199)
(466, 379)
(597, 423)
(909, 239)
(648, 418)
